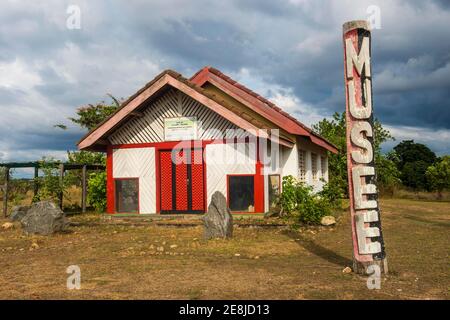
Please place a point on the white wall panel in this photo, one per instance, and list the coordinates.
(223, 159)
(138, 163)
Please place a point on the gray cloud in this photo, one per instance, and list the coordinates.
(290, 50)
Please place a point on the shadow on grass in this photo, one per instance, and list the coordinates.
(319, 250)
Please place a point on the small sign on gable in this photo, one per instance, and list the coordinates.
(181, 128)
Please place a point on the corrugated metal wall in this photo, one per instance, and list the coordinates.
(150, 127)
(138, 163)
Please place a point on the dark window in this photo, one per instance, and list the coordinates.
(241, 193)
(127, 195)
(274, 189)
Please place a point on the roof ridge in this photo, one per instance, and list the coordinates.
(264, 100)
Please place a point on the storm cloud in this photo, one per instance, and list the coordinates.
(289, 51)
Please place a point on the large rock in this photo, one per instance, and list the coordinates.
(18, 212)
(44, 217)
(218, 221)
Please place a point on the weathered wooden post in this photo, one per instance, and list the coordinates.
(5, 192)
(368, 244)
(83, 188)
(36, 176)
(61, 185)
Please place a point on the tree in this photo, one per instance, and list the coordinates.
(89, 117)
(412, 160)
(335, 131)
(409, 151)
(438, 175)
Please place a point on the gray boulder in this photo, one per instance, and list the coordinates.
(18, 212)
(45, 218)
(218, 221)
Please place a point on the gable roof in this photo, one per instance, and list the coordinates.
(259, 104)
(95, 139)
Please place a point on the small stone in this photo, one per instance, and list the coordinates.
(152, 247)
(256, 257)
(7, 225)
(34, 245)
(347, 270)
(237, 254)
(164, 243)
(328, 221)
(173, 246)
(160, 249)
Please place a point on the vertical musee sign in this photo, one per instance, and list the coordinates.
(368, 245)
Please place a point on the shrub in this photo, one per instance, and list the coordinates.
(50, 186)
(97, 191)
(298, 200)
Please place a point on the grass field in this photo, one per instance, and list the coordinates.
(119, 260)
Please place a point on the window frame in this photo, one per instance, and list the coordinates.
(116, 202)
(228, 192)
(314, 167)
(302, 165)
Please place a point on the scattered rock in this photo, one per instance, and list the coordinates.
(18, 212)
(218, 221)
(160, 249)
(347, 270)
(7, 225)
(45, 218)
(328, 221)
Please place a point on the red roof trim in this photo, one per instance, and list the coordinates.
(259, 104)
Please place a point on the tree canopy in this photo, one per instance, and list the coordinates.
(334, 130)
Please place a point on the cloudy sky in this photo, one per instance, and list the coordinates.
(289, 51)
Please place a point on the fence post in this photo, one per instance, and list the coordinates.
(5, 193)
(36, 175)
(61, 183)
(84, 187)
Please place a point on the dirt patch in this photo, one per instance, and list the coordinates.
(147, 261)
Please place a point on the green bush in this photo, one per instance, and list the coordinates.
(50, 186)
(97, 191)
(298, 200)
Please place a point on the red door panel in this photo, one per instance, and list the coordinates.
(198, 202)
(182, 183)
(166, 181)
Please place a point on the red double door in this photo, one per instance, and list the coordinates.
(182, 181)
